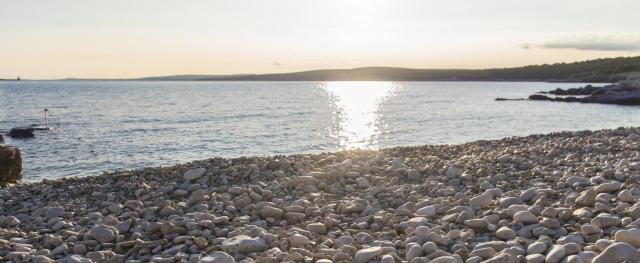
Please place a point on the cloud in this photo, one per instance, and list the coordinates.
(628, 43)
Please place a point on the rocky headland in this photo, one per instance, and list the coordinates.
(561, 197)
(623, 93)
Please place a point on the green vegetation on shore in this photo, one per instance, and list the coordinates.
(597, 70)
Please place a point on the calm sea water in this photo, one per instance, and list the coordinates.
(110, 125)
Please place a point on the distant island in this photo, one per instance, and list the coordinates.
(16, 79)
(606, 70)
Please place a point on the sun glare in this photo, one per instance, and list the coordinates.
(358, 104)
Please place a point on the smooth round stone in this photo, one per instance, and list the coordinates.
(427, 211)
(217, 257)
(589, 229)
(367, 254)
(537, 248)
(386, 259)
(444, 259)
(619, 251)
(506, 233)
(414, 252)
(319, 228)
(297, 240)
(480, 201)
(272, 212)
(486, 252)
(193, 174)
(422, 231)
(243, 244)
(525, 217)
(78, 259)
(631, 237)
(103, 233)
(556, 254)
(535, 258)
(343, 240)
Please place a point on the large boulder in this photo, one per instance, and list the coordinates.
(10, 165)
(27, 132)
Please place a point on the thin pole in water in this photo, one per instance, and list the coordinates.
(46, 121)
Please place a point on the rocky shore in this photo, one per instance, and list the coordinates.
(561, 197)
(623, 93)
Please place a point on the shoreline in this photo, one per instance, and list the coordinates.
(562, 195)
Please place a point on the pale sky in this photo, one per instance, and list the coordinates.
(127, 38)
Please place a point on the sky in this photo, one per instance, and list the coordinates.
(126, 39)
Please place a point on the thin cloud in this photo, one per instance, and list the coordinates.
(628, 43)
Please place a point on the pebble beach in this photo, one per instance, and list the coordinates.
(560, 197)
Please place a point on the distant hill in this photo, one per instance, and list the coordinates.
(188, 77)
(598, 70)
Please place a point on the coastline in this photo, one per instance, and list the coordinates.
(567, 194)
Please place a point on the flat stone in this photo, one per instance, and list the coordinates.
(217, 257)
(54, 212)
(537, 248)
(529, 194)
(618, 251)
(631, 237)
(78, 259)
(603, 221)
(243, 244)
(525, 217)
(427, 211)
(103, 233)
(319, 228)
(297, 240)
(506, 233)
(480, 201)
(271, 212)
(367, 254)
(556, 254)
(193, 174)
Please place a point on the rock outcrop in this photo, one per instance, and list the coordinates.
(623, 93)
(10, 165)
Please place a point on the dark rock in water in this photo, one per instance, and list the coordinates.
(505, 99)
(10, 165)
(1, 138)
(22, 133)
(583, 91)
(539, 97)
(624, 93)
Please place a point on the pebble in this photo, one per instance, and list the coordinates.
(621, 252)
(193, 174)
(427, 211)
(243, 244)
(631, 237)
(506, 233)
(480, 201)
(525, 217)
(562, 197)
(319, 228)
(217, 257)
(298, 240)
(367, 254)
(103, 233)
(537, 248)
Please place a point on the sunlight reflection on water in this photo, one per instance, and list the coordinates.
(358, 114)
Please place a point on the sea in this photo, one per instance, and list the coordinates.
(105, 126)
